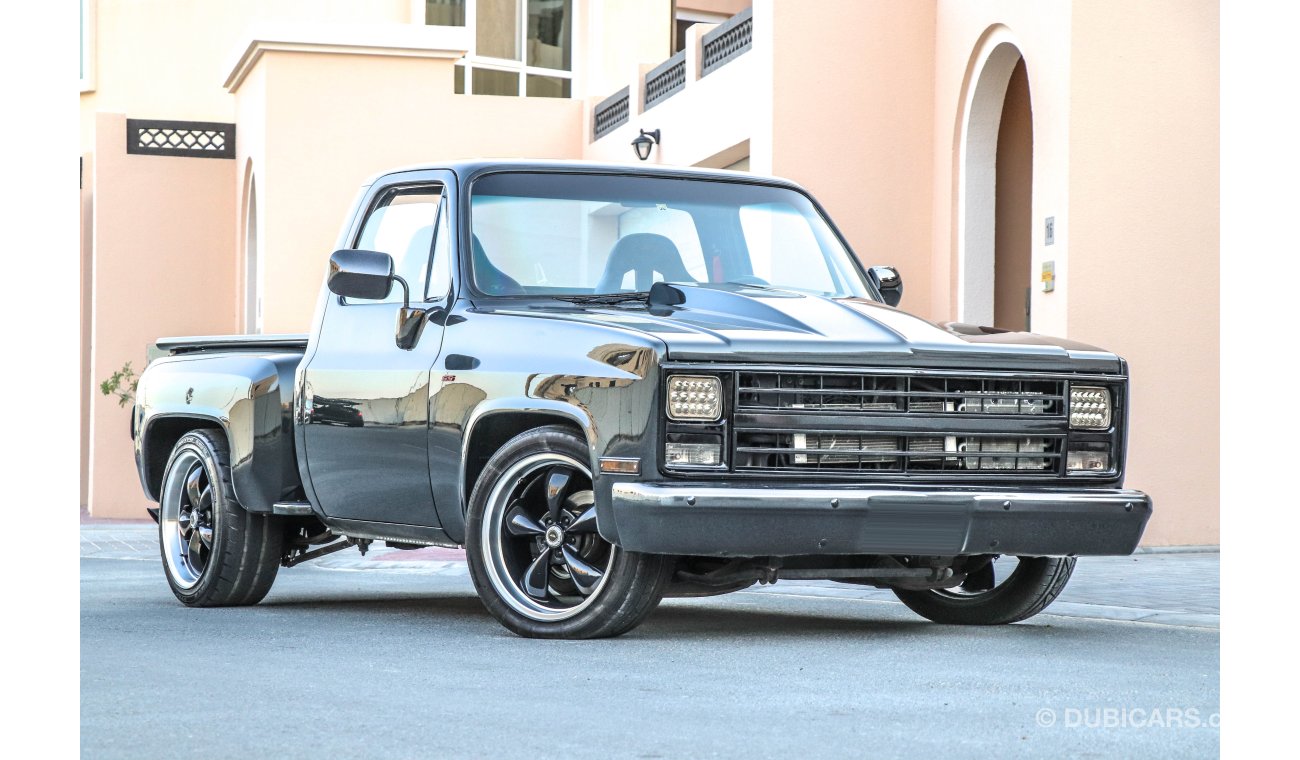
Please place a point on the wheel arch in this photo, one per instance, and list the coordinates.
(491, 428)
(158, 439)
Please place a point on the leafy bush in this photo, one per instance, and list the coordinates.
(122, 384)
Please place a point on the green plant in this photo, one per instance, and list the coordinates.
(122, 384)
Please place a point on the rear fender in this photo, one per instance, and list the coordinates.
(249, 397)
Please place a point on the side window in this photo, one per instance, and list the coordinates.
(401, 224)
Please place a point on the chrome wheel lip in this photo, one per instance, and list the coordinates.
(170, 520)
(493, 530)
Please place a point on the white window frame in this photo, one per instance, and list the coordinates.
(88, 34)
(473, 61)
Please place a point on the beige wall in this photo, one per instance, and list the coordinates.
(852, 121)
(616, 37)
(869, 105)
(1144, 189)
(85, 272)
(328, 122)
(163, 59)
(162, 266)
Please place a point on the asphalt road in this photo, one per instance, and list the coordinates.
(373, 663)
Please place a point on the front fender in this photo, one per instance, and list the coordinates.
(250, 397)
(577, 415)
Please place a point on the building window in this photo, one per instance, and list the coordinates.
(518, 47)
(444, 12)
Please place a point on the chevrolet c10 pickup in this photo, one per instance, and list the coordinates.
(614, 384)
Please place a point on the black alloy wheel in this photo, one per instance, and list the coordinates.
(214, 552)
(190, 549)
(536, 557)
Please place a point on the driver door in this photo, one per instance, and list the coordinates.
(366, 401)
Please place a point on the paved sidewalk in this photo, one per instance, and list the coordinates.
(1166, 587)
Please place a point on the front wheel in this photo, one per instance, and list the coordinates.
(534, 554)
(996, 593)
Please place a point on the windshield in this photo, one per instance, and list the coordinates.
(587, 234)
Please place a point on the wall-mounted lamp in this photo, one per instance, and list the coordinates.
(644, 142)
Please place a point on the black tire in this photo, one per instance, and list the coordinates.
(236, 563)
(501, 559)
(1034, 584)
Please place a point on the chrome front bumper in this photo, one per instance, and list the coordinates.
(748, 521)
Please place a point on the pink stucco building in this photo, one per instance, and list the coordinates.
(1040, 164)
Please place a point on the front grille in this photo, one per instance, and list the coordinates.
(887, 424)
(899, 394)
(895, 425)
(759, 450)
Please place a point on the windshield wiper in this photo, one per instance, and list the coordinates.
(606, 299)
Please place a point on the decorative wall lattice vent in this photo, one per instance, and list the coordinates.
(610, 114)
(730, 39)
(194, 139)
(664, 80)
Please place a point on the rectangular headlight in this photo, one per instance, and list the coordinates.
(1089, 407)
(694, 397)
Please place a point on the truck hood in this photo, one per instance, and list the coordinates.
(726, 323)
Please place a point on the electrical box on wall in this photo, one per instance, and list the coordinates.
(1049, 276)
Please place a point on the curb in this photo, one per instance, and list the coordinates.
(1185, 549)
(1112, 613)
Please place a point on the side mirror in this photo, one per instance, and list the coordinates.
(361, 274)
(889, 282)
(369, 275)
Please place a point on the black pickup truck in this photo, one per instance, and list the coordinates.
(613, 384)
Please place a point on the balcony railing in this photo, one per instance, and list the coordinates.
(195, 139)
(732, 38)
(718, 47)
(611, 113)
(665, 79)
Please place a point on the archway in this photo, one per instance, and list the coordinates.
(1013, 224)
(995, 190)
(252, 262)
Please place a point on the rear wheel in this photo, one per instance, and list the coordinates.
(215, 552)
(1006, 591)
(534, 554)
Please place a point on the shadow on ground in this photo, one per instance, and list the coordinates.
(676, 620)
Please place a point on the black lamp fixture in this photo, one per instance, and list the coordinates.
(644, 142)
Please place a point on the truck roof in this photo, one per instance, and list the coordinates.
(466, 168)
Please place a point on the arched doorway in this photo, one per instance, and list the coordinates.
(1013, 224)
(252, 263)
(994, 209)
